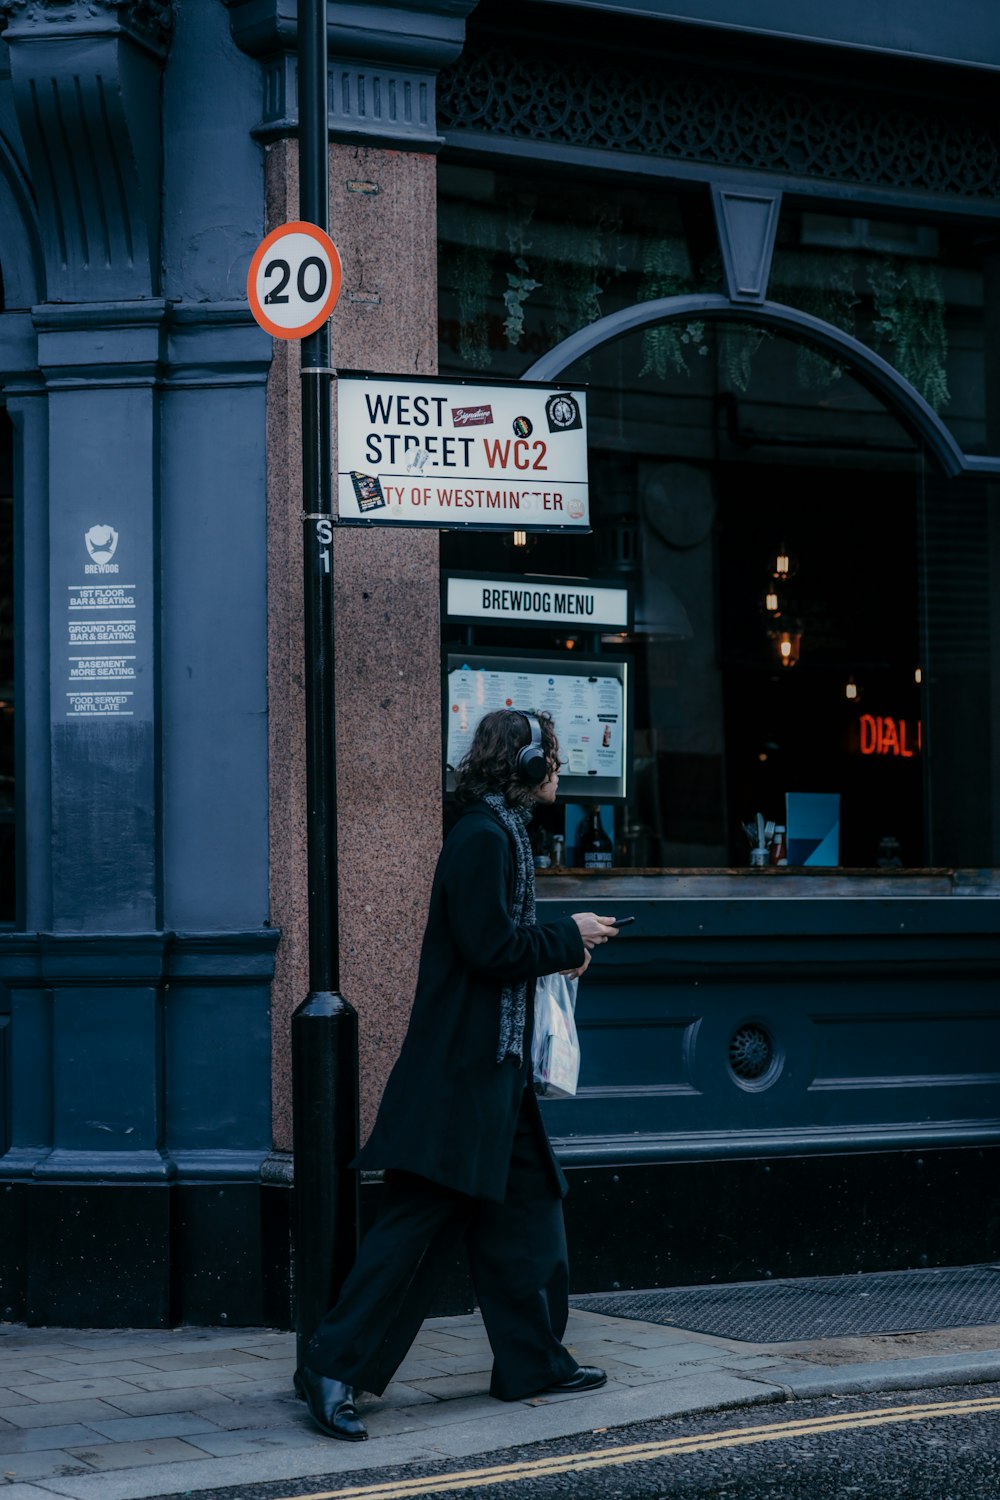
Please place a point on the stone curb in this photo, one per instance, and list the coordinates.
(927, 1371)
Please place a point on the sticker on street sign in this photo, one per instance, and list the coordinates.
(294, 280)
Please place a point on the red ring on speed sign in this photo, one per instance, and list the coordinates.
(293, 294)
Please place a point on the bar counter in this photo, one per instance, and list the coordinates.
(769, 883)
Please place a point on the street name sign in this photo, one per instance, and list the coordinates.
(442, 453)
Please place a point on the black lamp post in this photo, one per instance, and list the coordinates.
(325, 1026)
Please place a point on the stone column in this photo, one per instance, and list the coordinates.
(134, 378)
(383, 220)
(86, 1028)
(384, 60)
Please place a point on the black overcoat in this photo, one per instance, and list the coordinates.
(450, 1109)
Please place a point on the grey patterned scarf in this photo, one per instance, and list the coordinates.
(514, 997)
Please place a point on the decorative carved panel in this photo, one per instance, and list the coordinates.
(683, 113)
(384, 56)
(147, 21)
(85, 83)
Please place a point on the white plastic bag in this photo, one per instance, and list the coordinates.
(555, 1050)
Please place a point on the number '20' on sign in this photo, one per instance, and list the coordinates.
(294, 280)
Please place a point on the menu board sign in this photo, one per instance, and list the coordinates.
(452, 454)
(532, 600)
(587, 698)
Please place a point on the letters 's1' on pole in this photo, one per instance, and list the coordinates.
(324, 1027)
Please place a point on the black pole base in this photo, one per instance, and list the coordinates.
(325, 1142)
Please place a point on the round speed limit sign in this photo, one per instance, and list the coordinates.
(294, 280)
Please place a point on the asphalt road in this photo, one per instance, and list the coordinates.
(916, 1445)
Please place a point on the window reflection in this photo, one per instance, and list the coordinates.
(815, 631)
(914, 292)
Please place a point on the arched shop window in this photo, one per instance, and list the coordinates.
(815, 637)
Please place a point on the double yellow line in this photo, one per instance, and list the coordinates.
(633, 1453)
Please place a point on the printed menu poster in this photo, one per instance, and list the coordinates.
(588, 712)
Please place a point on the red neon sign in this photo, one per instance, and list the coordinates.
(881, 735)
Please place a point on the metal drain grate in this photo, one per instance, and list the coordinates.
(774, 1312)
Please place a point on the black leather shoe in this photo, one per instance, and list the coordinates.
(585, 1378)
(331, 1405)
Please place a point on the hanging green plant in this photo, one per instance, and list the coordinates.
(909, 318)
(665, 346)
(707, 275)
(520, 282)
(738, 343)
(816, 371)
(824, 286)
(588, 256)
(615, 250)
(520, 286)
(577, 296)
(472, 276)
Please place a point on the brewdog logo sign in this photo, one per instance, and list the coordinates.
(448, 454)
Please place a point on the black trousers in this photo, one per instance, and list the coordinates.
(520, 1272)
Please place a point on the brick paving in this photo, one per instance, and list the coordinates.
(129, 1414)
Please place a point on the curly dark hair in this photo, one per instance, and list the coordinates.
(490, 763)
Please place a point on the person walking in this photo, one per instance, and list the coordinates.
(459, 1133)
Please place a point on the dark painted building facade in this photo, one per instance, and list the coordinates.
(771, 252)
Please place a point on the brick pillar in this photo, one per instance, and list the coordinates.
(383, 221)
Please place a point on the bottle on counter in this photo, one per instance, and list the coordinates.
(596, 849)
(779, 846)
(559, 850)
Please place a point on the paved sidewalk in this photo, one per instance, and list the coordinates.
(126, 1414)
